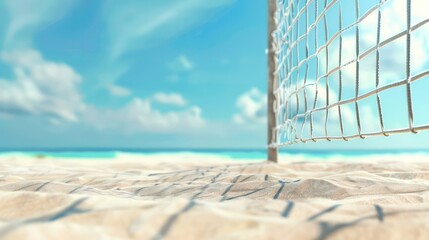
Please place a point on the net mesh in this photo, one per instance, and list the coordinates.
(349, 69)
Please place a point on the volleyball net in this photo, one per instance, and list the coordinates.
(349, 69)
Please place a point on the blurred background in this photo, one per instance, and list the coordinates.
(188, 74)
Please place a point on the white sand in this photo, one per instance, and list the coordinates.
(184, 197)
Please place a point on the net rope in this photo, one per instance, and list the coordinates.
(333, 55)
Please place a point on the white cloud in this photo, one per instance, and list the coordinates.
(169, 98)
(133, 24)
(51, 90)
(184, 61)
(111, 73)
(181, 64)
(118, 91)
(26, 16)
(40, 87)
(252, 107)
(139, 116)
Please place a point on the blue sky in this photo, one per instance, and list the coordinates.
(138, 74)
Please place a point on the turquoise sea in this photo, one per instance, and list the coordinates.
(256, 154)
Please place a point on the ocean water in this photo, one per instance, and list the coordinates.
(235, 154)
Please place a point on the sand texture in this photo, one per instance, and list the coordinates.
(158, 198)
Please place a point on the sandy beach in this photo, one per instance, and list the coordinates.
(181, 197)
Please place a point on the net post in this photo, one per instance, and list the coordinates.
(272, 78)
